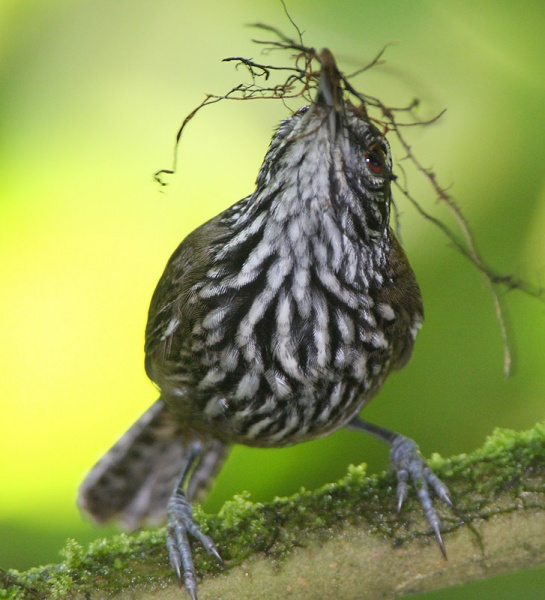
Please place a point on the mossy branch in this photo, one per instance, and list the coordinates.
(344, 540)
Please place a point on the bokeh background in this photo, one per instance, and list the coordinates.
(91, 95)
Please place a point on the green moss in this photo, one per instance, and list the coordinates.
(505, 475)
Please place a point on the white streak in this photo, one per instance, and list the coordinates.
(214, 318)
(321, 330)
(278, 383)
(378, 340)
(229, 358)
(214, 376)
(242, 236)
(256, 428)
(247, 386)
(171, 328)
(345, 327)
(386, 311)
(215, 407)
(283, 316)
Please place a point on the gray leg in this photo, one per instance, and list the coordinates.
(408, 463)
(181, 525)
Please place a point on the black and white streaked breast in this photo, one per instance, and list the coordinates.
(291, 342)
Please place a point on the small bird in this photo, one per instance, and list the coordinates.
(274, 323)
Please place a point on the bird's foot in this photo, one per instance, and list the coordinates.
(409, 464)
(181, 525)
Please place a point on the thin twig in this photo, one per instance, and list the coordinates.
(301, 80)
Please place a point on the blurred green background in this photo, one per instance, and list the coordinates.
(91, 95)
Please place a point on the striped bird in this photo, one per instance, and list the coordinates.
(274, 323)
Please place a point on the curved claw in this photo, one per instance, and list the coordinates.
(214, 552)
(440, 489)
(439, 539)
(174, 556)
(402, 487)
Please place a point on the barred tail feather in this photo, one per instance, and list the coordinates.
(134, 480)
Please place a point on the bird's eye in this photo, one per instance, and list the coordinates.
(375, 159)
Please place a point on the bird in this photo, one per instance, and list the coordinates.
(274, 323)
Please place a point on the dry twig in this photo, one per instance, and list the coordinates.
(301, 81)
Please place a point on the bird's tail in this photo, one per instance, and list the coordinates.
(133, 481)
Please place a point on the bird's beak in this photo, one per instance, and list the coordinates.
(330, 93)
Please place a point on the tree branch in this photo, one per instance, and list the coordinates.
(344, 540)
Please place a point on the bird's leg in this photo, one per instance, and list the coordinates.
(181, 525)
(408, 463)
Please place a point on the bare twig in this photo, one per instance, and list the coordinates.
(301, 80)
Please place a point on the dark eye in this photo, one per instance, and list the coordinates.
(375, 159)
